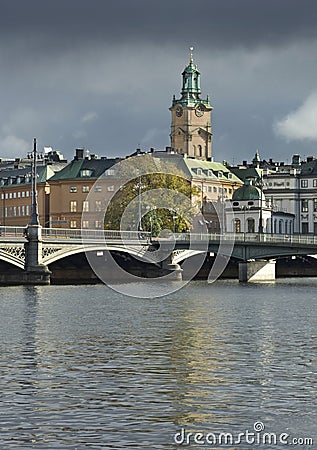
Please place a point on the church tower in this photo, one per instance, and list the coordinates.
(191, 132)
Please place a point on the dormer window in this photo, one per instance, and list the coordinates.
(199, 171)
(220, 174)
(86, 173)
(209, 173)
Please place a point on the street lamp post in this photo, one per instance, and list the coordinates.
(3, 202)
(34, 219)
(261, 212)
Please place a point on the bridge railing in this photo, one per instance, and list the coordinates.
(12, 232)
(92, 234)
(248, 237)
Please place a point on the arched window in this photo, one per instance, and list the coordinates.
(280, 226)
(237, 225)
(200, 150)
(250, 225)
(275, 226)
(286, 226)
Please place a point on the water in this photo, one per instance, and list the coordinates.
(88, 368)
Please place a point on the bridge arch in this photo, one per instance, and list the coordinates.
(58, 253)
(13, 256)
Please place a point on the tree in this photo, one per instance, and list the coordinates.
(154, 191)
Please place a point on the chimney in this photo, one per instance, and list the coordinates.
(79, 154)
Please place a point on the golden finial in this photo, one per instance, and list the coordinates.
(191, 54)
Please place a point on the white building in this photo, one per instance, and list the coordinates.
(293, 188)
(250, 212)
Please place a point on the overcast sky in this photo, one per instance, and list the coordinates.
(100, 74)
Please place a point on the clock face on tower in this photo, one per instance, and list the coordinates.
(199, 111)
(179, 111)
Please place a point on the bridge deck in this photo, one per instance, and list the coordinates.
(10, 234)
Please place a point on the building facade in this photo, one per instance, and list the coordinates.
(290, 188)
(16, 190)
(79, 192)
(249, 211)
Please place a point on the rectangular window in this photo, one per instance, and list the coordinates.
(97, 188)
(73, 224)
(73, 206)
(10, 194)
(85, 206)
(98, 224)
(19, 194)
(315, 183)
(110, 172)
(304, 183)
(98, 205)
(110, 188)
(315, 204)
(14, 195)
(72, 188)
(305, 227)
(23, 210)
(27, 193)
(85, 189)
(27, 210)
(305, 205)
(85, 223)
(23, 194)
(315, 227)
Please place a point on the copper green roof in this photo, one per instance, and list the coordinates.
(94, 167)
(247, 192)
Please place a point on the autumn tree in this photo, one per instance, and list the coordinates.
(155, 191)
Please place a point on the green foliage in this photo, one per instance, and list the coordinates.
(165, 198)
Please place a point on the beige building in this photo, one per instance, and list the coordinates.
(79, 192)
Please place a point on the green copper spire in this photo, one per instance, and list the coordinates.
(191, 79)
(191, 92)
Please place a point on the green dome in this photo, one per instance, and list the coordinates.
(247, 192)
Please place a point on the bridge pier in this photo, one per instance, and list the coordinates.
(257, 271)
(35, 271)
(174, 270)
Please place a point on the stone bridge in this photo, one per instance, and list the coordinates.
(33, 249)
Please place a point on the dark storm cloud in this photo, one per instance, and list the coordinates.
(101, 73)
(217, 22)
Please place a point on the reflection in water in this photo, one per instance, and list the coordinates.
(85, 367)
